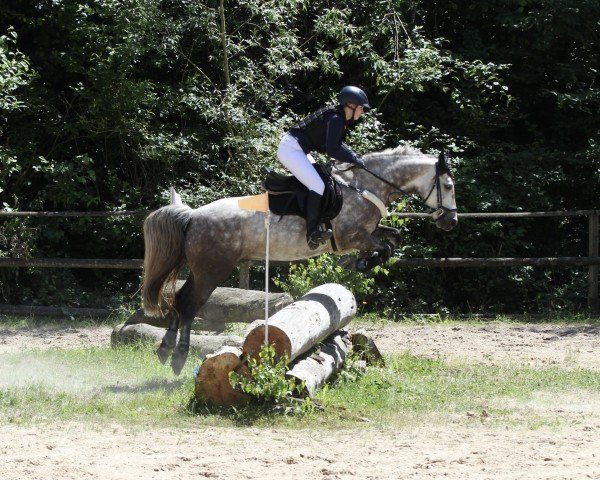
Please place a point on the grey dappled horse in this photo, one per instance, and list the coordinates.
(214, 238)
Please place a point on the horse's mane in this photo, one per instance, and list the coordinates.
(401, 152)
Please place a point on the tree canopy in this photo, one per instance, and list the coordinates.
(104, 104)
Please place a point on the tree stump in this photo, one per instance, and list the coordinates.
(364, 346)
(212, 382)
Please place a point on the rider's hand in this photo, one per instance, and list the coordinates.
(358, 161)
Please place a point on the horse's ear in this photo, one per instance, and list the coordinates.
(443, 160)
(443, 165)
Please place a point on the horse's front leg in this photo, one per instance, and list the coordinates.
(373, 251)
(390, 235)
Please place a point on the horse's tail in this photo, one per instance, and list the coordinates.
(164, 255)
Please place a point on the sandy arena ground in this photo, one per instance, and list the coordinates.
(458, 449)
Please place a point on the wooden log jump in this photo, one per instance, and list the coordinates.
(320, 363)
(212, 382)
(299, 326)
(293, 330)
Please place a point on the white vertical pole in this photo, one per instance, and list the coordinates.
(268, 227)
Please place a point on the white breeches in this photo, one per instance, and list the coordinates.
(293, 158)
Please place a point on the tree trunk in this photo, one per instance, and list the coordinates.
(299, 326)
(200, 345)
(212, 382)
(320, 363)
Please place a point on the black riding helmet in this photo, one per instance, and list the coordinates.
(354, 95)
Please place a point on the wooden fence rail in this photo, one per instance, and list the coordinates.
(130, 264)
(592, 261)
(124, 213)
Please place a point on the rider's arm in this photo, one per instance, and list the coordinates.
(333, 143)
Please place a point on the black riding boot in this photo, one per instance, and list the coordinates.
(315, 233)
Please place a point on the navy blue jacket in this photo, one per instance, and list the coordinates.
(324, 132)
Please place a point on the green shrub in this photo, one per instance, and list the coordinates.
(324, 269)
(267, 383)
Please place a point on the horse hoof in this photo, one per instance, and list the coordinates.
(177, 365)
(163, 353)
(361, 264)
(178, 360)
(166, 345)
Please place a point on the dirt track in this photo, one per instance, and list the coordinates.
(492, 343)
(456, 448)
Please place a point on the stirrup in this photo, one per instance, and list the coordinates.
(318, 237)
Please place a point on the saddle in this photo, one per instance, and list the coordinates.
(287, 195)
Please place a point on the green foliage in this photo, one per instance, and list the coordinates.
(267, 383)
(105, 105)
(14, 72)
(323, 269)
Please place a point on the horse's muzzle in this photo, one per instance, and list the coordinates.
(445, 219)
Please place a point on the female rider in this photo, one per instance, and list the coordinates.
(324, 132)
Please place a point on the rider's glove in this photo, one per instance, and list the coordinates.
(358, 161)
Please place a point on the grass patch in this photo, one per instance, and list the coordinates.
(128, 385)
(125, 384)
(417, 388)
(20, 322)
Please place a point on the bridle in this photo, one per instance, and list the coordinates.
(441, 168)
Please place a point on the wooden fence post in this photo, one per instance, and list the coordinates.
(593, 301)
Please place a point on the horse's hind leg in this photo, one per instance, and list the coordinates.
(188, 303)
(169, 339)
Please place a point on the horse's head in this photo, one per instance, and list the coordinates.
(404, 170)
(436, 188)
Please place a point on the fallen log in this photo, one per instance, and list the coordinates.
(244, 306)
(200, 345)
(298, 327)
(212, 382)
(320, 363)
(225, 305)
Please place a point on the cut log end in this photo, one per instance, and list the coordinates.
(212, 383)
(256, 339)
